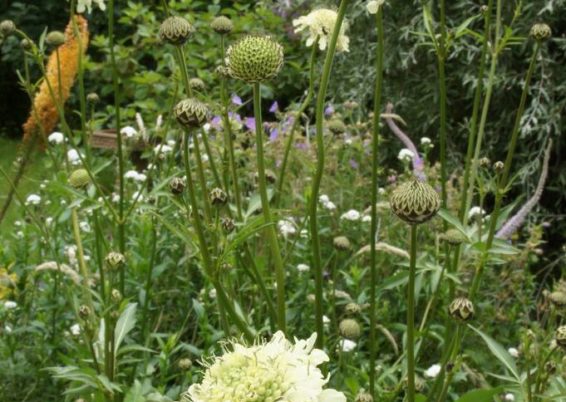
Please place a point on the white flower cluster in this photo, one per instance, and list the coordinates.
(326, 203)
(135, 176)
(320, 25)
(286, 227)
(56, 138)
(86, 5)
(406, 155)
(274, 371)
(351, 215)
(33, 199)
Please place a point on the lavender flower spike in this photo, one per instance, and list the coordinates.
(418, 163)
(517, 220)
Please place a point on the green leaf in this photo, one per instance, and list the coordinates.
(125, 324)
(451, 219)
(135, 394)
(480, 395)
(500, 353)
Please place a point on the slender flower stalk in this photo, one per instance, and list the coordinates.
(297, 120)
(121, 167)
(272, 234)
(411, 316)
(374, 166)
(442, 54)
(313, 202)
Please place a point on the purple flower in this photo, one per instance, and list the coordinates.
(250, 124)
(273, 134)
(329, 110)
(236, 100)
(274, 107)
(354, 164)
(216, 122)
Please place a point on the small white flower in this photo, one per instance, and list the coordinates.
(171, 143)
(75, 329)
(426, 141)
(162, 149)
(86, 5)
(325, 320)
(351, 215)
(9, 305)
(509, 397)
(346, 345)
(18, 223)
(20, 234)
(8, 328)
(56, 138)
(212, 293)
(205, 158)
(304, 233)
(130, 174)
(115, 197)
(433, 371)
(159, 122)
(373, 6)
(381, 191)
(514, 352)
(366, 218)
(330, 206)
(140, 177)
(138, 196)
(129, 131)
(475, 212)
(48, 221)
(33, 199)
(73, 157)
(286, 227)
(303, 268)
(84, 226)
(406, 155)
(206, 127)
(323, 199)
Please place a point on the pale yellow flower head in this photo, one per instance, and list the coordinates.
(319, 24)
(373, 6)
(274, 371)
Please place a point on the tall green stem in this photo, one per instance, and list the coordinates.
(296, 121)
(313, 202)
(504, 179)
(272, 233)
(442, 54)
(411, 317)
(115, 85)
(374, 167)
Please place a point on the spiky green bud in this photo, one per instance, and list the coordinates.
(353, 308)
(55, 38)
(93, 98)
(7, 27)
(197, 84)
(454, 237)
(79, 178)
(191, 113)
(222, 25)
(218, 197)
(415, 202)
(115, 260)
(336, 126)
(175, 30)
(461, 309)
(541, 32)
(255, 59)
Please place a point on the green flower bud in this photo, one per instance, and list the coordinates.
(484, 162)
(115, 260)
(197, 84)
(79, 178)
(223, 72)
(228, 225)
(84, 312)
(336, 126)
(175, 30)
(342, 243)
(541, 32)
(350, 329)
(191, 113)
(498, 166)
(55, 38)
(461, 309)
(415, 202)
(353, 308)
(177, 185)
(116, 296)
(7, 27)
(222, 25)
(218, 197)
(255, 59)
(26, 44)
(185, 364)
(454, 237)
(560, 336)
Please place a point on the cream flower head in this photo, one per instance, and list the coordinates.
(320, 25)
(373, 6)
(274, 371)
(86, 5)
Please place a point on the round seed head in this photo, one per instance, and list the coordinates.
(79, 178)
(55, 38)
(197, 84)
(93, 98)
(498, 166)
(255, 59)
(175, 30)
(185, 364)
(415, 202)
(454, 237)
(461, 309)
(350, 329)
(541, 32)
(558, 298)
(218, 197)
(342, 243)
(115, 260)
(26, 44)
(353, 308)
(7, 27)
(560, 336)
(177, 185)
(336, 126)
(191, 113)
(222, 25)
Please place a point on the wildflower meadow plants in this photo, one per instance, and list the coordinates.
(236, 252)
